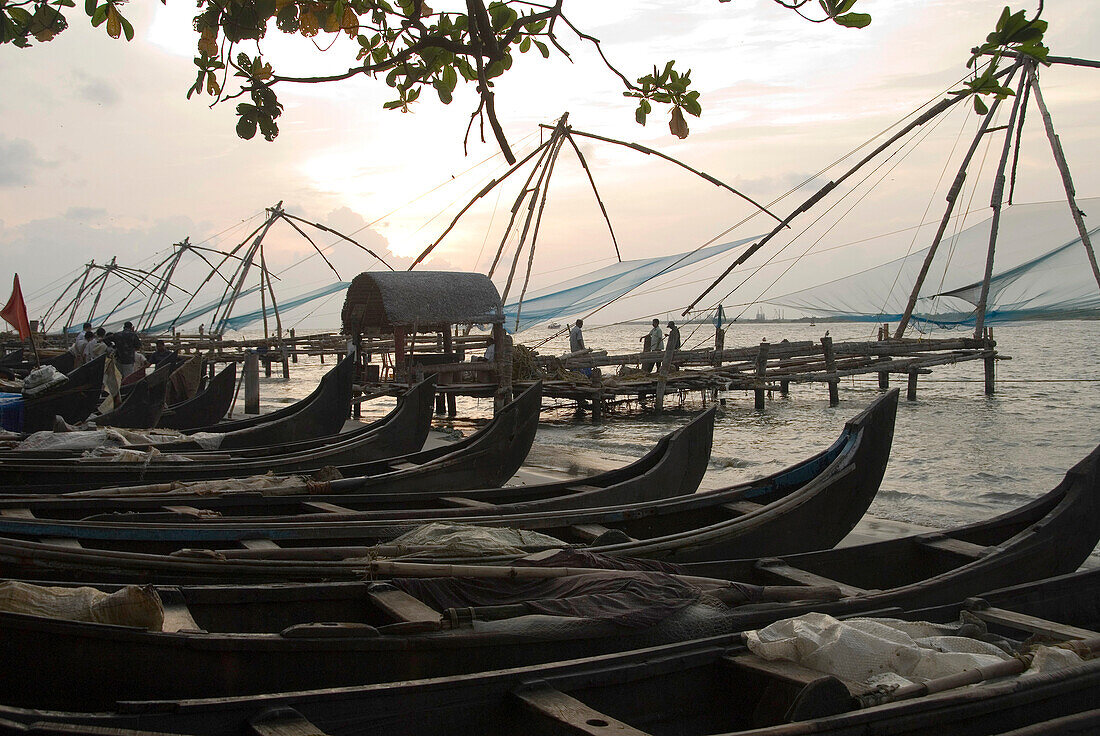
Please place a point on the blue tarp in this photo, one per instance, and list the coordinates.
(11, 412)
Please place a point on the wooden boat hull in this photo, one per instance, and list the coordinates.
(73, 402)
(206, 407)
(809, 506)
(649, 684)
(485, 459)
(674, 467)
(144, 405)
(404, 432)
(318, 411)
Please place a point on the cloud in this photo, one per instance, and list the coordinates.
(18, 160)
(96, 90)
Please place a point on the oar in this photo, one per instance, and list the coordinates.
(1084, 648)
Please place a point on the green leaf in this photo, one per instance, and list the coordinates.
(246, 127)
(100, 15)
(90, 7)
(127, 29)
(853, 20)
(979, 106)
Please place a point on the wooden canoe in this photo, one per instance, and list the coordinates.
(333, 390)
(485, 459)
(206, 407)
(73, 401)
(1052, 535)
(811, 505)
(674, 467)
(142, 408)
(194, 449)
(403, 432)
(229, 642)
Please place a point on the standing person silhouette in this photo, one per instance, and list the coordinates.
(576, 338)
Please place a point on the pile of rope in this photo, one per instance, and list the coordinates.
(524, 366)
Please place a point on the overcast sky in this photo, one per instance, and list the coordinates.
(102, 155)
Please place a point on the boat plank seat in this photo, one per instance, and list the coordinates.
(782, 570)
(17, 513)
(790, 691)
(790, 673)
(572, 714)
(953, 546)
(403, 466)
(404, 608)
(590, 532)
(63, 542)
(466, 503)
(584, 489)
(740, 508)
(282, 722)
(191, 511)
(258, 544)
(177, 616)
(1024, 622)
(326, 507)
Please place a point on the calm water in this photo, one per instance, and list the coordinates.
(958, 456)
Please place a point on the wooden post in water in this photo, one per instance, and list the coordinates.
(294, 354)
(252, 383)
(761, 373)
(449, 349)
(502, 356)
(830, 368)
(911, 389)
(662, 377)
(989, 365)
(440, 402)
(884, 376)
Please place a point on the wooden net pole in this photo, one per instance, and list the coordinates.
(1063, 168)
(996, 201)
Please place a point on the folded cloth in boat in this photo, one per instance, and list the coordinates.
(586, 558)
(879, 651)
(115, 437)
(465, 540)
(126, 455)
(42, 379)
(628, 599)
(133, 605)
(267, 485)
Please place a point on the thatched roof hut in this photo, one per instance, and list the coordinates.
(422, 301)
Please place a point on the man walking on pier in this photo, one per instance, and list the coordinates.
(576, 339)
(654, 340)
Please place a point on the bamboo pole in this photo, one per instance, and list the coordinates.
(246, 265)
(484, 190)
(1063, 168)
(538, 225)
(518, 203)
(996, 201)
(76, 304)
(952, 198)
(596, 193)
(541, 181)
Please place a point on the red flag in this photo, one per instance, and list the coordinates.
(15, 311)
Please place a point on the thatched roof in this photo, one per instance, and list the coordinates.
(424, 300)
